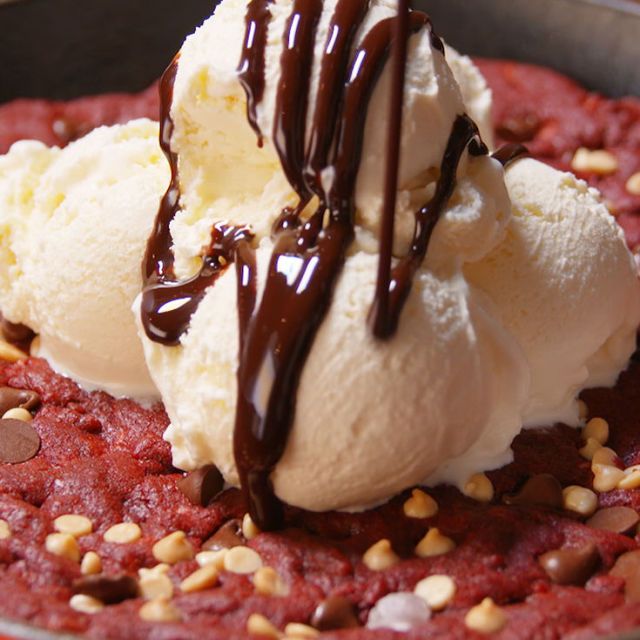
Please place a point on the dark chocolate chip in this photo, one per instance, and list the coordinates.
(627, 566)
(335, 612)
(541, 491)
(616, 519)
(11, 398)
(227, 536)
(570, 566)
(108, 589)
(17, 334)
(202, 486)
(19, 441)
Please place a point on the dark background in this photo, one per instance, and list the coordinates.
(65, 48)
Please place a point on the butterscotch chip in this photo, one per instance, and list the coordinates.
(159, 610)
(380, 556)
(74, 525)
(627, 566)
(5, 530)
(173, 548)
(580, 500)
(249, 528)
(487, 617)
(615, 519)
(633, 184)
(479, 488)
(201, 579)
(215, 558)
(63, 545)
(434, 544)
(91, 564)
(591, 447)
(10, 353)
(598, 429)
(85, 604)
(155, 583)
(606, 477)
(420, 505)
(298, 631)
(258, 625)
(600, 161)
(123, 533)
(242, 560)
(583, 410)
(437, 591)
(17, 413)
(268, 582)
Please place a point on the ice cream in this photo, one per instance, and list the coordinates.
(478, 353)
(73, 225)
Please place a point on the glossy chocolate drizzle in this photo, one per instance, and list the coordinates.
(277, 332)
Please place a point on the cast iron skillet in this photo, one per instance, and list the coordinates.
(66, 48)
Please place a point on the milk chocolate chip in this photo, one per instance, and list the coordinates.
(108, 589)
(627, 566)
(11, 398)
(202, 486)
(542, 491)
(17, 334)
(335, 612)
(19, 441)
(616, 519)
(227, 536)
(570, 566)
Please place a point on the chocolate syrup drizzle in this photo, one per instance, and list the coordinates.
(276, 334)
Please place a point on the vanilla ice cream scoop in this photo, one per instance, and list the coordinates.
(74, 223)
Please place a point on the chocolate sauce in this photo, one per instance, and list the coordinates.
(251, 67)
(277, 333)
(509, 153)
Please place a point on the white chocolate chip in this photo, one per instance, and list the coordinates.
(159, 610)
(242, 560)
(258, 625)
(580, 500)
(487, 617)
(420, 505)
(249, 528)
(18, 413)
(604, 455)
(434, 544)
(437, 591)
(154, 583)
(600, 161)
(215, 558)
(10, 353)
(123, 533)
(633, 184)
(91, 564)
(631, 479)
(479, 487)
(74, 525)
(590, 448)
(201, 579)
(606, 477)
(85, 604)
(268, 582)
(173, 548)
(380, 556)
(598, 429)
(298, 631)
(63, 545)
(5, 530)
